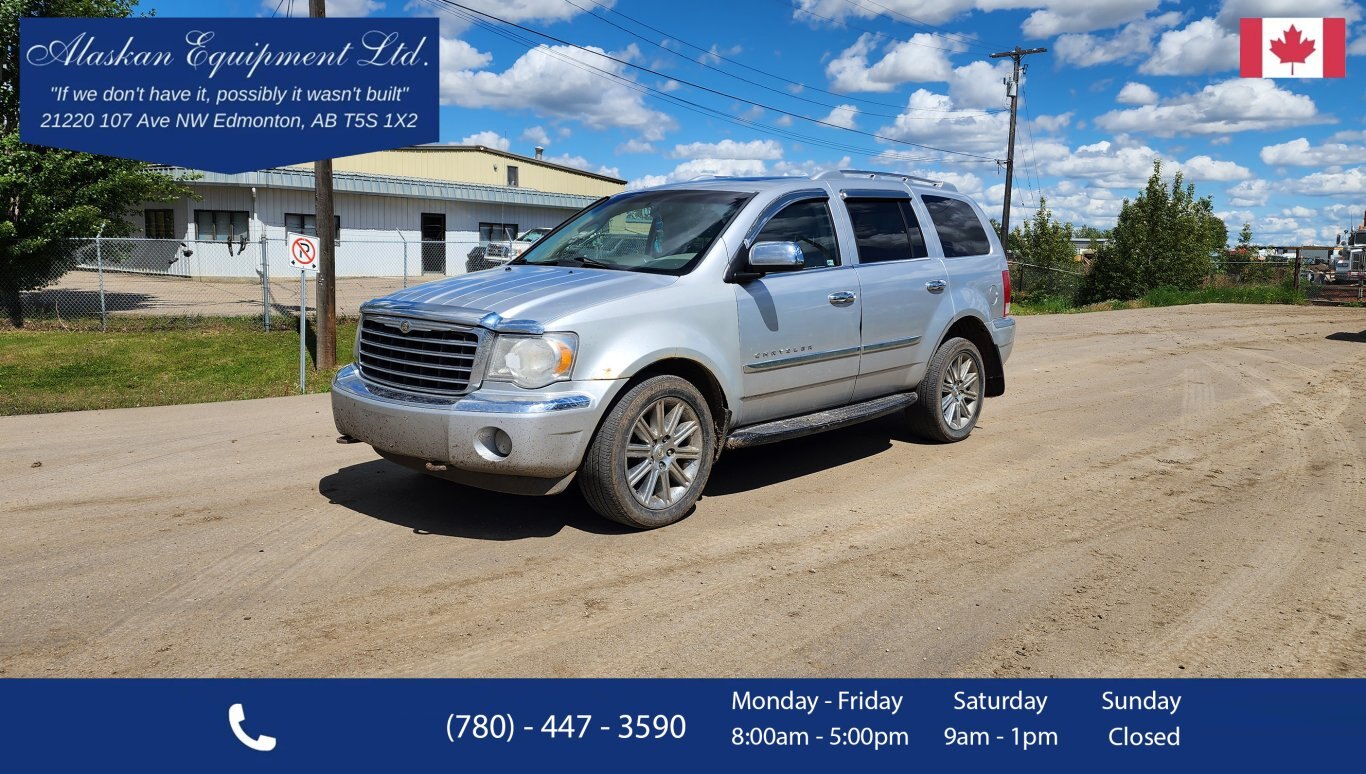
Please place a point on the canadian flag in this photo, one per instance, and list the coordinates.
(1293, 48)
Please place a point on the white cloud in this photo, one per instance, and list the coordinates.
(1053, 123)
(536, 134)
(919, 59)
(1128, 45)
(1137, 94)
(1206, 168)
(334, 7)
(1358, 46)
(1237, 105)
(1250, 193)
(1348, 182)
(488, 139)
(978, 84)
(1061, 16)
(715, 53)
(1299, 153)
(766, 150)
(1299, 212)
(1051, 18)
(579, 162)
(1233, 10)
(458, 55)
(843, 116)
(935, 119)
(546, 80)
(1202, 46)
(635, 145)
(544, 11)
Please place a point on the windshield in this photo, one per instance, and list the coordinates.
(533, 235)
(662, 232)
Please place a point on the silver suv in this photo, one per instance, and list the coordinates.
(652, 330)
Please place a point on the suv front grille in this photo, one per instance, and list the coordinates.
(428, 357)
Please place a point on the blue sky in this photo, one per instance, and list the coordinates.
(1124, 82)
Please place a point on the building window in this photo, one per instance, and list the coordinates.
(298, 223)
(512, 176)
(497, 232)
(158, 224)
(220, 225)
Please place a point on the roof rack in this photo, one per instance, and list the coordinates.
(876, 175)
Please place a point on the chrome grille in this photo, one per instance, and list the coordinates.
(428, 357)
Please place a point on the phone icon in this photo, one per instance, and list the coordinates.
(261, 743)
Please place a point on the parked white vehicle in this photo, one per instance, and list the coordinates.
(635, 342)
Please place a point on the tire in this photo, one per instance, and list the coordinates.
(637, 441)
(950, 394)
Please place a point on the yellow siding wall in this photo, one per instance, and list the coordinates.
(469, 165)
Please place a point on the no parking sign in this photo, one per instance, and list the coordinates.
(303, 251)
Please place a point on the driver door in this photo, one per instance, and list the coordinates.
(799, 329)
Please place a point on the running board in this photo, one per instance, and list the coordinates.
(819, 422)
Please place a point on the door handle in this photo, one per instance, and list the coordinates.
(936, 286)
(842, 298)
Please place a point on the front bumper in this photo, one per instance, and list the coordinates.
(549, 430)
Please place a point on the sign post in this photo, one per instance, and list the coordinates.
(303, 255)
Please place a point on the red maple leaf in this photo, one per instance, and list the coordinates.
(1292, 48)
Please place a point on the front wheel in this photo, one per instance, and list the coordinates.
(950, 395)
(651, 457)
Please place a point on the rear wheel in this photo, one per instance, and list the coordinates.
(651, 457)
(950, 395)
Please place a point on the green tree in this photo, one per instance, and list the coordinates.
(1164, 237)
(1046, 261)
(49, 196)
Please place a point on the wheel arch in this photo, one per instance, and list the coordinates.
(973, 329)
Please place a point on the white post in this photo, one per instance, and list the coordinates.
(405, 257)
(303, 322)
(99, 264)
(265, 283)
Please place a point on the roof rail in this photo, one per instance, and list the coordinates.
(876, 175)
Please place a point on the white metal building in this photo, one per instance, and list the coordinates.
(390, 225)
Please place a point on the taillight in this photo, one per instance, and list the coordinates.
(1005, 282)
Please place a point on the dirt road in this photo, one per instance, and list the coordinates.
(1162, 492)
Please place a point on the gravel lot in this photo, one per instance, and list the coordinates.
(1162, 492)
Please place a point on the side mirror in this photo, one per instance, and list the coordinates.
(776, 256)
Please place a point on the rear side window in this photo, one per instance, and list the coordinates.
(960, 230)
(808, 224)
(880, 230)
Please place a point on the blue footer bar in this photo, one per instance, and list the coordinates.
(678, 725)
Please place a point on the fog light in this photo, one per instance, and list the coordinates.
(493, 444)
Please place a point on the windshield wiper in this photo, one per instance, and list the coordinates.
(586, 261)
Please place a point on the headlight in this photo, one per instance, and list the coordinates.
(533, 361)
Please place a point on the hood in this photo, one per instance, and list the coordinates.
(541, 293)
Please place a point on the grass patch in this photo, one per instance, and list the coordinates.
(1231, 294)
(49, 367)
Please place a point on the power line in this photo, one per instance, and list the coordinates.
(698, 108)
(722, 57)
(708, 89)
(1012, 91)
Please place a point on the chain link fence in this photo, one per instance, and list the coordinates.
(108, 278)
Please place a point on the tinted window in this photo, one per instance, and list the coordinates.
(808, 224)
(880, 231)
(960, 230)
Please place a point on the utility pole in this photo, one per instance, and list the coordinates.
(1012, 91)
(327, 244)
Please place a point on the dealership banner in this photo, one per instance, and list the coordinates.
(228, 95)
(867, 725)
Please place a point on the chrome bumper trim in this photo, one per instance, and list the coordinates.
(349, 380)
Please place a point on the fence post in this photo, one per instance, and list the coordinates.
(99, 264)
(265, 283)
(405, 257)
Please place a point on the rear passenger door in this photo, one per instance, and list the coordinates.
(904, 288)
(972, 255)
